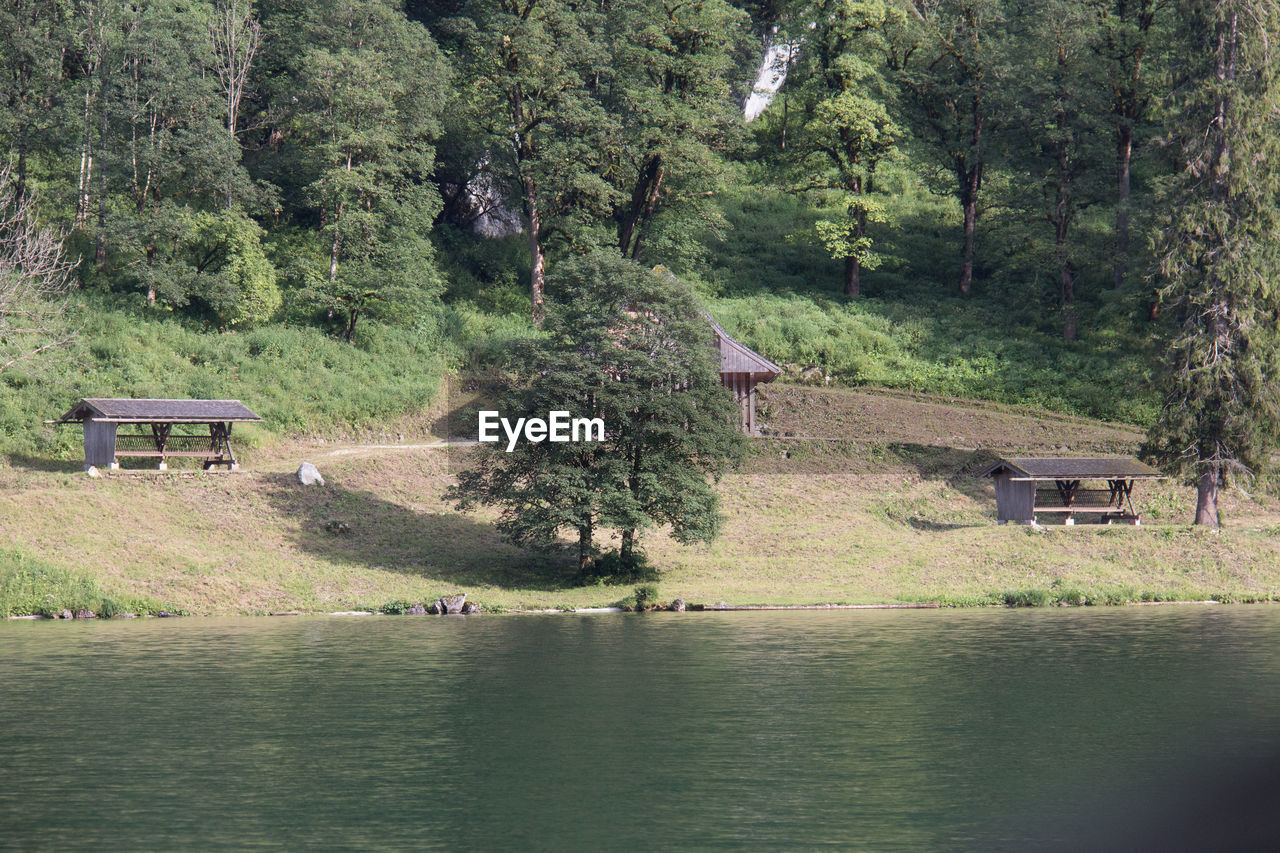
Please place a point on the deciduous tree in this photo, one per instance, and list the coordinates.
(35, 280)
(633, 348)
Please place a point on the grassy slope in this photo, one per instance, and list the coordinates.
(870, 499)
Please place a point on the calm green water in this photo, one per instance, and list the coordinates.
(874, 730)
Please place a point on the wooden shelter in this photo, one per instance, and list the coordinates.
(1027, 486)
(741, 369)
(151, 430)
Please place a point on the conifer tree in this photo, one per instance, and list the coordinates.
(1219, 256)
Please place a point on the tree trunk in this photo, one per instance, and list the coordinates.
(1068, 303)
(537, 261)
(22, 162)
(333, 251)
(85, 179)
(585, 533)
(1061, 226)
(969, 204)
(1124, 155)
(151, 279)
(352, 316)
(970, 173)
(644, 201)
(1207, 495)
(627, 551)
(100, 239)
(852, 278)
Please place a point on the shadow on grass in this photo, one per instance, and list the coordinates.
(958, 468)
(927, 525)
(359, 528)
(44, 463)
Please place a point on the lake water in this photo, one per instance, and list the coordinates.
(1134, 727)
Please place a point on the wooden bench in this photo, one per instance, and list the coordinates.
(161, 443)
(1068, 497)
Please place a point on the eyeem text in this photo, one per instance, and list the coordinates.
(558, 427)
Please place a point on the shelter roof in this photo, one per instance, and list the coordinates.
(126, 411)
(1073, 468)
(736, 357)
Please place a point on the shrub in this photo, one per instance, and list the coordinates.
(396, 607)
(646, 596)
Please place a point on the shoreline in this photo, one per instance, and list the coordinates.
(724, 608)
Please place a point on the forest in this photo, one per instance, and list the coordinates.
(968, 197)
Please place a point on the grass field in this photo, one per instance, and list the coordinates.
(863, 497)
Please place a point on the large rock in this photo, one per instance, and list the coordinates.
(86, 614)
(416, 610)
(309, 476)
(470, 607)
(453, 603)
(677, 606)
(436, 608)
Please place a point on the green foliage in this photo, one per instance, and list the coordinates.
(668, 90)
(1218, 256)
(646, 597)
(848, 131)
(245, 291)
(891, 344)
(29, 587)
(373, 84)
(396, 607)
(297, 378)
(631, 348)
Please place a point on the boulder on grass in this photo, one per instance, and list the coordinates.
(453, 603)
(309, 476)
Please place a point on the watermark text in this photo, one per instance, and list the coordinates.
(558, 427)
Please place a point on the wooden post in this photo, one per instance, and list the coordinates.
(160, 432)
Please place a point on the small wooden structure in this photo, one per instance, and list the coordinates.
(104, 444)
(741, 369)
(1027, 486)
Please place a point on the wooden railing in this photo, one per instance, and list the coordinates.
(1082, 500)
(175, 445)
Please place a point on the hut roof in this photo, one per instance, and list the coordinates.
(736, 357)
(127, 411)
(1073, 468)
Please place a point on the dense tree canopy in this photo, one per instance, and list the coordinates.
(349, 164)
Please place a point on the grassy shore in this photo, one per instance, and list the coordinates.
(863, 497)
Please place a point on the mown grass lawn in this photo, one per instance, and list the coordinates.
(868, 512)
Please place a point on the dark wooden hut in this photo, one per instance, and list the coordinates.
(741, 369)
(104, 443)
(1027, 486)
